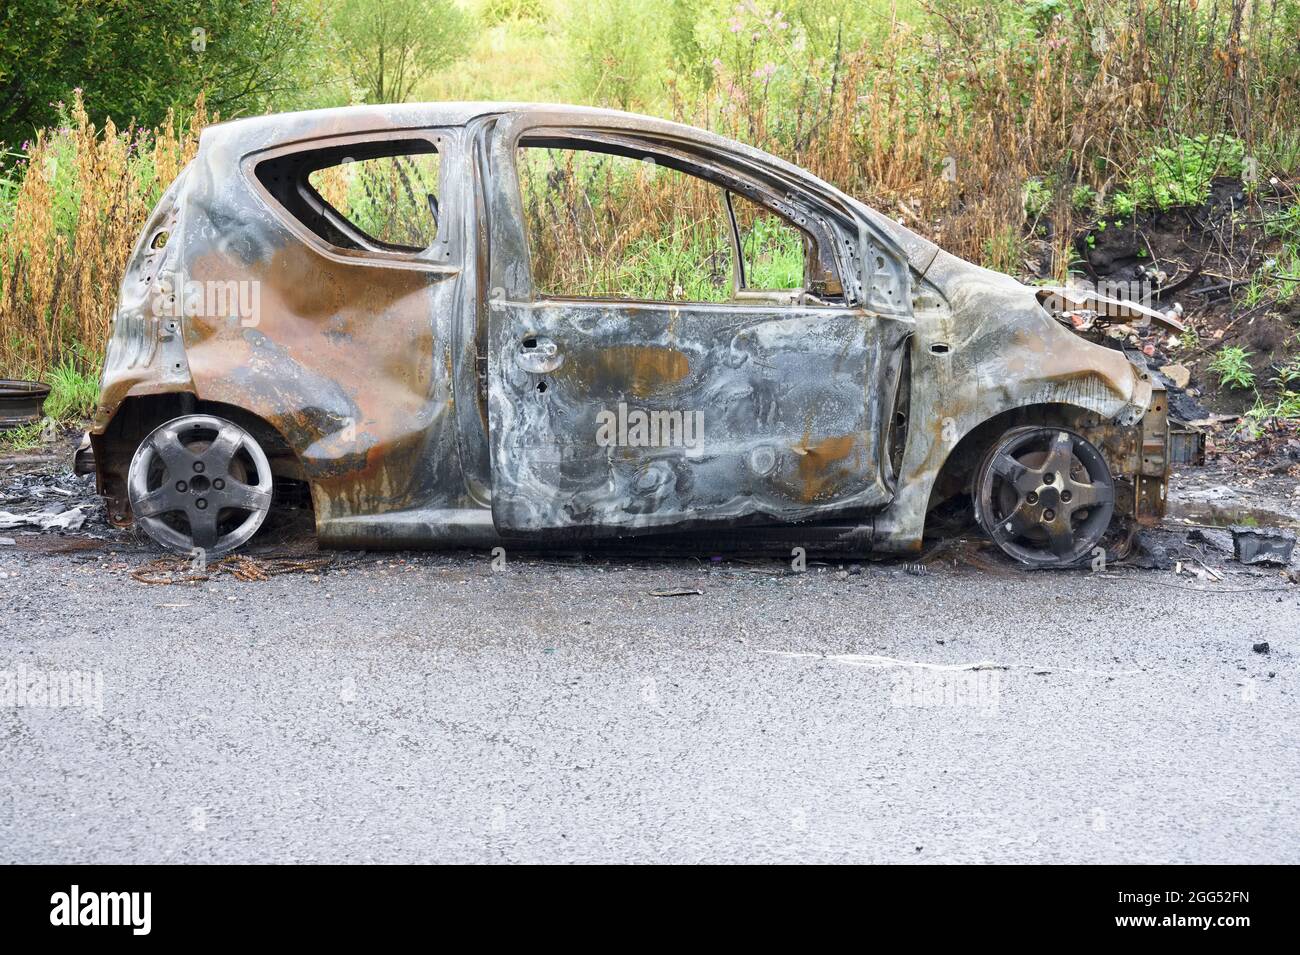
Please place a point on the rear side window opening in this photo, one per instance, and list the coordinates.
(370, 197)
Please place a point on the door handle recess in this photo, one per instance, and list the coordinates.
(538, 356)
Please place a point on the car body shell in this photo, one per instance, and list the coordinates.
(399, 387)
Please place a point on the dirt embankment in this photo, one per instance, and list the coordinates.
(1215, 265)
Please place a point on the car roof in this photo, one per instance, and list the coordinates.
(235, 138)
(274, 129)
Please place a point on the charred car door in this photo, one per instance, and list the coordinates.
(613, 415)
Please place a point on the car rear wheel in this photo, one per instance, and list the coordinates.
(1045, 496)
(199, 482)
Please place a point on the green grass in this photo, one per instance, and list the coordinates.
(1288, 373)
(679, 255)
(1281, 274)
(694, 265)
(73, 393)
(773, 255)
(520, 61)
(10, 182)
(679, 266)
(1257, 287)
(1286, 407)
(1179, 175)
(1005, 251)
(1282, 152)
(1232, 366)
(26, 437)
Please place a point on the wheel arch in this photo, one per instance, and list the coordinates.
(957, 472)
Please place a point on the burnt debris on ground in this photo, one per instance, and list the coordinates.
(1200, 262)
(45, 496)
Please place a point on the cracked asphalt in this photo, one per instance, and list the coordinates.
(424, 707)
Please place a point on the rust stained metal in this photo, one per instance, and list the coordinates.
(639, 370)
(1108, 309)
(434, 397)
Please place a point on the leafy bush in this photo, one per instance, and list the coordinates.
(615, 48)
(1179, 175)
(1083, 198)
(1232, 366)
(388, 46)
(136, 61)
(1037, 196)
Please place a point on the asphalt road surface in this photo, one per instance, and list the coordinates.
(430, 708)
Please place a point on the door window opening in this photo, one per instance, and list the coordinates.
(608, 225)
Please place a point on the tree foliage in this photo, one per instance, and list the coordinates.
(616, 48)
(134, 60)
(390, 45)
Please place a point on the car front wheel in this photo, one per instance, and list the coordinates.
(199, 482)
(1044, 495)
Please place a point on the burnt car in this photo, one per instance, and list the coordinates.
(361, 300)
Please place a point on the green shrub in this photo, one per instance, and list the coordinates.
(615, 51)
(1179, 175)
(1037, 195)
(1232, 366)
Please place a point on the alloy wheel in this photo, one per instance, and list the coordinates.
(200, 482)
(1045, 496)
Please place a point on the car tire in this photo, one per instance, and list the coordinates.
(1044, 495)
(200, 484)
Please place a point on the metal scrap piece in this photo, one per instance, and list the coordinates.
(21, 402)
(1257, 545)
